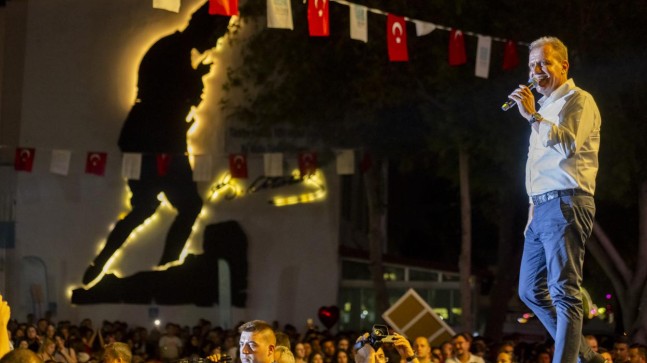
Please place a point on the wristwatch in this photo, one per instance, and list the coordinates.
(535, 117)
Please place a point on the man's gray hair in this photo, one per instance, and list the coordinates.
(554, 42)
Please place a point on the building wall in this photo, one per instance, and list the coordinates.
(78, 84)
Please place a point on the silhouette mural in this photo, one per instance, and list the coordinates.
(168, 87)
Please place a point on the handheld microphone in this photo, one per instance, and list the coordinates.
(510, 103)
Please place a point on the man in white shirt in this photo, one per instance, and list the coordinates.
(462, 343)
(560, 181)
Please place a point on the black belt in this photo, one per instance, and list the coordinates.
(553, 194)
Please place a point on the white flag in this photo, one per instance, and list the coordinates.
(483, 52)
(346, 162)
(131, 166)
(60, 162)
(279, 14)
(170, 5)
(358, 22)
(423, 27)
(202, 167)
(273, 164)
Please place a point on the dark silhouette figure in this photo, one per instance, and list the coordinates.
(168, 86)
(195, 281)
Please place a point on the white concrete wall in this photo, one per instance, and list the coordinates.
(79, 84)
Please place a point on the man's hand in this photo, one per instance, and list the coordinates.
(365, 354)
(403, 346)
(525, 101)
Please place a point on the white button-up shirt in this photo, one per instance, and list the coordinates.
(563, 152)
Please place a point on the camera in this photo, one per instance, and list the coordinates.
(379, 335)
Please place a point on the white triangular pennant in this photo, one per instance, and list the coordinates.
(483, 53)
(60, 162)
(423, 27)
(202, 167)
(358, 22)
(346, 162)
(273, 164)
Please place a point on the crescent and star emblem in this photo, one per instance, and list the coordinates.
(397, 28)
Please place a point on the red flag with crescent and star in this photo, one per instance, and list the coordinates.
(223, 7)
(163, 161)
(238, 166)
(510, 56)
(307, 163)
(95, 163)
(318, 18)
(24, 160)
(396, 38)
(457, 54)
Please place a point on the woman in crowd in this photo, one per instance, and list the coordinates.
(64, 353)
(47, 350)
(299, 353)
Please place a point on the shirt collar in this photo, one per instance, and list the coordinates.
(558, 93)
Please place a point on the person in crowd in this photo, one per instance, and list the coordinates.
(366, 353)
(343, 343)
(447, 349)
(543, 357)
(341, 357)
(47, 350)
(316, 357)
(592, 341)
(605, 354)
(328, 349)
(637, 353)
(621, 350)
(422, 349)
(299, 353)
(117, 353)
(21, 356)
(503, 357)
(308, 348)
(462, 354)
(560, 181)
(33, 340)
(41, 327)
(63, 352)
(282, 339)
(257, 342)
(170, 344)
(508, 348)
(282, 354)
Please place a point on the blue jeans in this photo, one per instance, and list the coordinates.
(551, 271)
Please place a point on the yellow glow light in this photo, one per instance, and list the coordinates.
(314, 180)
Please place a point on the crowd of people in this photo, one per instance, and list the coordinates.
(65, 342)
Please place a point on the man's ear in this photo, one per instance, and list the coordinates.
(270, 351)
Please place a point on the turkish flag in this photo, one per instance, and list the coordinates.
(238, 166)
(318, 18)
(457, 55)
(223, 7)
(24, 160)
(95, 163)
(307, 163)
(510, 56)
(396, 38)
(163, 161)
